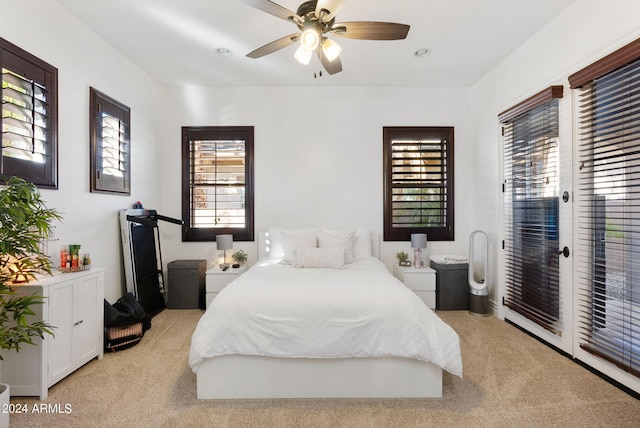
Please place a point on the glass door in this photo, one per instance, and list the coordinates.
(537, 223)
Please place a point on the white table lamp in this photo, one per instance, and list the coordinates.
(418, 242)
(224, 243)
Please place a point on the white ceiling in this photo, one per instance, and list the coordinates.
(176, 41)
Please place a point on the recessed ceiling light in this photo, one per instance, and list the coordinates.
(224, 52)
(421, 53)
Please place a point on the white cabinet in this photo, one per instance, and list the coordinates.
(217, 279)
(74, 304)
(422, 281)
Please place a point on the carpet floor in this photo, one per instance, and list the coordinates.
(510, 380)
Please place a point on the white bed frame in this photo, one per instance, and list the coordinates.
(247, 376)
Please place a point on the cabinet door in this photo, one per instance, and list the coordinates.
(26, 371)
(85, 320)
(61, 316)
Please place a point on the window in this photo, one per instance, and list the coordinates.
(609, 207)
(531, 190)
(29, 117)
(418, 182)
(109, 124)
(217, 182)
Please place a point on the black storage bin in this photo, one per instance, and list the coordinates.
(186, 284)
(452, 288)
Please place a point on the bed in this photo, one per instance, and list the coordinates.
(319, 315)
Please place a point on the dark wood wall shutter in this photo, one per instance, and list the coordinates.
(418, 169)
(110, 123)
(29, 117)
(217, 182)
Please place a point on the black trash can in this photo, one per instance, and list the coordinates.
(451, 282)
(186, 288)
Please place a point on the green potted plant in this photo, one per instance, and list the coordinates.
(240, 257)
(403, 258)
(25, 222)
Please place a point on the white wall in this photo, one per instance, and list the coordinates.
(83, 60)
(583, 33)
(318, 151)
(318, 155)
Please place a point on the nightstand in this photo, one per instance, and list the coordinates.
(422, 281)
(217, 279)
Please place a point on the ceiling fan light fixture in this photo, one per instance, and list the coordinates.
(316, 19)
(331, 49)
(302, 55)
(310, 39)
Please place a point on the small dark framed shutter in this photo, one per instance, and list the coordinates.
(29, 117)
(110, 150)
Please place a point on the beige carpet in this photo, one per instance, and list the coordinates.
(510, 380)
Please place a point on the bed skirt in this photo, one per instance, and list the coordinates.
(244, 376)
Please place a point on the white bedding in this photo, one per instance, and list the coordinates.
(360, 310)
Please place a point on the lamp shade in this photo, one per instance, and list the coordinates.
(310, 39)
(331, 49)
(303, 56)
(418, 240)
(224, 242)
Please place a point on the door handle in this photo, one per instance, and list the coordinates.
(564, 251)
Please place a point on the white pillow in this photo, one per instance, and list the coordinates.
(276, 241)
(340, 239)
(331, 258)
(362, 244)
(292, 242)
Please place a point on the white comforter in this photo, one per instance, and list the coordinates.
(358, 311)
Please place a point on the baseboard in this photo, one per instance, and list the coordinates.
(596, 372)
(612, 381)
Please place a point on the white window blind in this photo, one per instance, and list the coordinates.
(114, 134)
(24, 118)
(218, 184)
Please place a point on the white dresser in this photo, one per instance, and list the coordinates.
(422, 281)
(74, 304)
(216, 279)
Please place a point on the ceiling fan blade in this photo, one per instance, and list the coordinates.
(274, 46)
(331, 6)
(365, 30)
(332, 67)
(274, 9)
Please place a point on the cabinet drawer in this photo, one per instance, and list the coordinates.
(428, 297)
(217, 279)
(215, 283)
(420, 281)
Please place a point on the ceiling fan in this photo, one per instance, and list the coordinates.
(316, 20)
